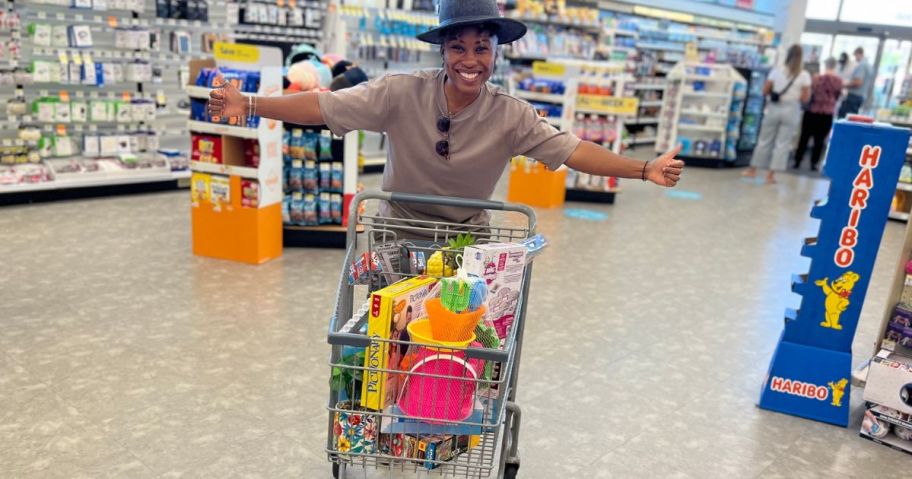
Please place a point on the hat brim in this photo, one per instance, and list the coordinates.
(508, 30)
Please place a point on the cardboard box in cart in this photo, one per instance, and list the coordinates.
(502, 266)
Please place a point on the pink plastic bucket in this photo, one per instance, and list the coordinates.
(447, 398)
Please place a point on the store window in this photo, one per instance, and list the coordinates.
(822, 9)
(891, 72)
(877, 12)
(848, 43)
(817, 48)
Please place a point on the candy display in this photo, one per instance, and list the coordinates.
(310, 169)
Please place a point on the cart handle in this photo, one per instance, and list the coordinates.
(435, 200)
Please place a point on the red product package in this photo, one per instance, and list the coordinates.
(250, 194)
(252, 153)
(206, 148)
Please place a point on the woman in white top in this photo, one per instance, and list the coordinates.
(786, 88)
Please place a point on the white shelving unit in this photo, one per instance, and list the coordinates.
(106, 22)
(575, 105)
(705, 101)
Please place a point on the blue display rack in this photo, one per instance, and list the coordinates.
(810, 372)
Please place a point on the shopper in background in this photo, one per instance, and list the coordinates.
(846, 66)
(787, 88)
(859, 85)
(818, 118)
(451, 133)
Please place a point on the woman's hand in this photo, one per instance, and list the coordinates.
(226, 100)
(665, 170)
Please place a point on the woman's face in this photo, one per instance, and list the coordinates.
(469, 60)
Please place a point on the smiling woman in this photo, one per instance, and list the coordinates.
(451, 132)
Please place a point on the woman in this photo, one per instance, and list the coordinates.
(786, 88)
(818, 118)
(451, 133)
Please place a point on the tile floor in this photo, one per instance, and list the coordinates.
(122, 355)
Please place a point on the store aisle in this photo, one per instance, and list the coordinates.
(122, 355)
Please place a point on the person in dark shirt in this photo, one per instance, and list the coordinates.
(818, 118)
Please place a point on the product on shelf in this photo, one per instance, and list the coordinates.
(311, 173)
(206, 148)
(182, 9)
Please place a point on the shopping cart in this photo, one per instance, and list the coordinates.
(444, 444)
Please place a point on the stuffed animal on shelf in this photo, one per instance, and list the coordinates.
(303, 76)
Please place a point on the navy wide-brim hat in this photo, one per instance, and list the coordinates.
(456, 13)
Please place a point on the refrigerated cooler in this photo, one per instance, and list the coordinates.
(752, 115)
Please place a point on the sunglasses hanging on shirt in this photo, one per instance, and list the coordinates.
(443, 146)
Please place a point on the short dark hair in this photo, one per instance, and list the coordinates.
(859, 50)
(453, 33)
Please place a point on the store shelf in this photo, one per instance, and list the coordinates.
(535, 96)
(647, 86)
(554, 121)
(708, 79)
(126, 177)
(904, 186)
(218, 129)
(660, 47)
(326, 236)
(898, 215)
(643, 121)
(218, 169)
(699, 94)
(643, 141)
(649, 103)
(715, 129)
(594, 27)
(295, 31)
(623, 33)
(590, 196)
(703, 113)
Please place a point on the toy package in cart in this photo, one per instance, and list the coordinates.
(391, 310)
(502, 266)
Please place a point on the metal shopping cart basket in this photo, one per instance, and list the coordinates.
(472, 430)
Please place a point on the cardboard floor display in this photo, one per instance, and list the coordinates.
(810, 371)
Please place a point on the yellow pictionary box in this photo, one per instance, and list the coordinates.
(392, 309)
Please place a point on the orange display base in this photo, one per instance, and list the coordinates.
(537, 186)
(247, 235)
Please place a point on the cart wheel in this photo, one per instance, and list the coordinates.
(337, 470)
(510, 471)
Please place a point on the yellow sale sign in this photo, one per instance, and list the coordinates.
(548, 69)
(236, 52)
(610, 105)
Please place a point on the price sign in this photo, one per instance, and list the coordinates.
(609, 105)
(548, 69)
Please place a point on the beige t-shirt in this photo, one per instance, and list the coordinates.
(483, 138)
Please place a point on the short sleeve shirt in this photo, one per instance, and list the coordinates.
(865, 73)
(482, 139)
(781, 78)
(825, 93)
